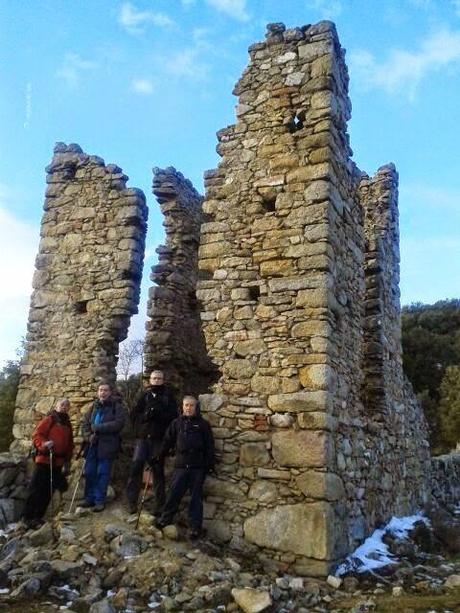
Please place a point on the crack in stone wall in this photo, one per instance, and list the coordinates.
(86, 285)
(174, 338)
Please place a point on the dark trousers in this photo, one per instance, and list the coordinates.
(143, 451)
(40, 490)
(184, 479)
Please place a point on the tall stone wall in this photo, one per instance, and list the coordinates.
(86, 285)
(311, 448)
(174, 338)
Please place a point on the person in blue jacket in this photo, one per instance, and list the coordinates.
(101, 429)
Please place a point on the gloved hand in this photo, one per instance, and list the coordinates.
(155, 459)
(48, 444)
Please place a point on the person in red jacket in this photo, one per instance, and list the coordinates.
(53, 443)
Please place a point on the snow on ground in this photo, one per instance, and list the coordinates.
(373, 553)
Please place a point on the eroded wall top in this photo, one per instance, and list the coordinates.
(174, 339)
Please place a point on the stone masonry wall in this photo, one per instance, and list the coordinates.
(86, 285)
(398, 469)
(174, 338)
(446, 480)
(286, 304)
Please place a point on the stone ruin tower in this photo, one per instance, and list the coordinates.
(174, 339)
(319, 435)
(86, 285)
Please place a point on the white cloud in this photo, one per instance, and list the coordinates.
(135, 21)
(185, 64)
(18, 248)
(403, 71)
(142, 86)
(328, 9)
(233, 8)
(73, 67)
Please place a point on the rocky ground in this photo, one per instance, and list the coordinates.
(99, 563)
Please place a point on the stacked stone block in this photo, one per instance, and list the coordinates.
(86, 285)
(285, 311)
(174, 338)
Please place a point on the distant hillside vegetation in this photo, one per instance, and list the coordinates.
(431, 357)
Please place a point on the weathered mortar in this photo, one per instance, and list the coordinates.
(174, 338)
(86, 285)
(309, 459)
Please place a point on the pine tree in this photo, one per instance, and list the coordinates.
(9, 381)
(449, 407)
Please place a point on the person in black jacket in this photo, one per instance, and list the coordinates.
(192, 438)
(154, 411)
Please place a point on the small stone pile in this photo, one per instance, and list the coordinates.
(13, 490)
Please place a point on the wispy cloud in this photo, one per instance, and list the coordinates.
(328, 9)
(439, 255)
(73, 67)
(421, 4)
(134, 20)
(142, 86)
(403, 71)
(186, 63)
(18, 247)
(232, 8)
(435, 198)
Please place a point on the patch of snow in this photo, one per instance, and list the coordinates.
(4, 590)
(373, 553)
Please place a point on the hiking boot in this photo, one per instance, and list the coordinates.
(195, 533)
(33, 524)
(132, 507)
(98, 508)
(86, 504)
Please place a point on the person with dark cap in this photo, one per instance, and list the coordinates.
(191, 437)
(154, 411)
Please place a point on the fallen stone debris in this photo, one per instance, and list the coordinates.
(82, 564)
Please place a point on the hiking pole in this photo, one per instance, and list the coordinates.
(80, 453)
(76, 487)
(51, 481)
(144, 493)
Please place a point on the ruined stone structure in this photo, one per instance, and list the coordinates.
(320, 436)
(174, 339)
(86, 285)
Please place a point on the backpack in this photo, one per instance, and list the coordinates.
(34, 451)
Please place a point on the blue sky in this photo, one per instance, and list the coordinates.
(148, 83)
